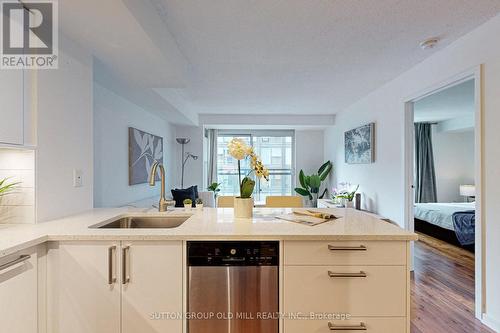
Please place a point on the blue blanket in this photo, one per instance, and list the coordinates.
(464, 223)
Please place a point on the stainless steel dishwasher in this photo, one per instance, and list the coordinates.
(233, 287)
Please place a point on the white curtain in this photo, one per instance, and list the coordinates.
(212, 156)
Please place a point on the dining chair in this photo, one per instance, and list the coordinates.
(225, 201)
(284, 201)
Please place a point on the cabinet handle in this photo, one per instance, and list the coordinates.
(360, 327)
(125, 275)
(111, 264)
(346, 248)
(361, 274)
(21, 258)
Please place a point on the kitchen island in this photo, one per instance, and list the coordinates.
(351, 272)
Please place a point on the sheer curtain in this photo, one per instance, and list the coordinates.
(212, 156)
(425, 175)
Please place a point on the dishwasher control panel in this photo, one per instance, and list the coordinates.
(233, 253)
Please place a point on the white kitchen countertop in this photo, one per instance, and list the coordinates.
(208, 224)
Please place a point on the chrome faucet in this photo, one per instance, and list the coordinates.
(163, 204)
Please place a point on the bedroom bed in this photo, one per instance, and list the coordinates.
(437, 220)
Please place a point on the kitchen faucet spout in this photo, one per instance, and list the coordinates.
(163, 204)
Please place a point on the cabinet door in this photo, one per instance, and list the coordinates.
(18, 292)
(153, 285)
(11, 106)
(82, 295)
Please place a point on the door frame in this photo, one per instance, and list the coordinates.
(475, 73)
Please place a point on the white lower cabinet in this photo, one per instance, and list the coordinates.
(113, 287)
(80, 298)
(353, 324)
(19, 292)
(152, 297)
(346, 286)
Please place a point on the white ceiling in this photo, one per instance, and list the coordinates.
(263, 56)
(451, 103)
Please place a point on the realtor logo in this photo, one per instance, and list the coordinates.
(29, 35)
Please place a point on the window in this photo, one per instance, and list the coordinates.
(274, 147)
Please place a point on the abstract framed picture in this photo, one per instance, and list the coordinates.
(143, 150)
(359, 145)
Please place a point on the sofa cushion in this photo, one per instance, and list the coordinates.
(179, 195)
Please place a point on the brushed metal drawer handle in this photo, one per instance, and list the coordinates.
(361, 274)
(346, 248)
(111, 254)
(21, 258)
(360, 327)
(125, 275)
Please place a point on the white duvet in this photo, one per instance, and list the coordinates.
(440, 213)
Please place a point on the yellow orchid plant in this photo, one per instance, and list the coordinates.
(240, 150)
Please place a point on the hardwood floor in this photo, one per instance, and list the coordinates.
(442, 289)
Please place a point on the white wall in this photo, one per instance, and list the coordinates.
(193, 172)
(113, 115)
(19, 205)
(453, 162)
(64, 133)
(382, 182)
(309, 151)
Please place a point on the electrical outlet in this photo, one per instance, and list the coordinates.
(77, 178)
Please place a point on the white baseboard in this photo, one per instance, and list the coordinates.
(491, 323)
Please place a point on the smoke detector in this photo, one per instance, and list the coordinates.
(429, 43)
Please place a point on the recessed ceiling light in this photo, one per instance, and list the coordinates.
(429, 43)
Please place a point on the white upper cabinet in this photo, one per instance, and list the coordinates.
(12, 102)
(11, 107)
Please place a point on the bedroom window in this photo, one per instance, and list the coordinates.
(275, 147)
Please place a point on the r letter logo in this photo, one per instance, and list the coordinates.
(29, 35)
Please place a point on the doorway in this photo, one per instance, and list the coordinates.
(418, 179)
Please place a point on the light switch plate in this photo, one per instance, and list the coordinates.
(77, 178)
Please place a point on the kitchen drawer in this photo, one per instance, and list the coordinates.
(345, 253)
(19, 291)
(381, 293)
(373, 325)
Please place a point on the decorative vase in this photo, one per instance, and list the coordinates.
(312, 203)
(349, 204)
(243, 208)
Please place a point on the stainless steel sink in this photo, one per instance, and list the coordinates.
(145, 222)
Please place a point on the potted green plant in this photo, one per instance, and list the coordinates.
(6, 188)
(311, 184)
(215, 188)
(347, 195)
(199, 204)
(188, 203)
(243, 204)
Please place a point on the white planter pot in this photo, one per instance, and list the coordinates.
(243, 208)
(199, 206)
(349, 204)
(188, 207)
